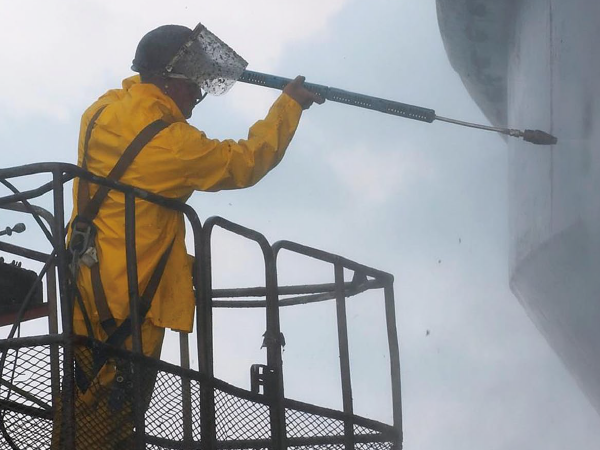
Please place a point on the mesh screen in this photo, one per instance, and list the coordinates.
(320, 447)
(104, 412)
(208, 61)
(25, 432)
(238, 418)
(363, 430)
(26, 377)
(26, 389)
(302, 424)
(374, 446)
(166, 417)
(104, 418)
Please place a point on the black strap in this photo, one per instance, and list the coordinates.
(107, 321)
(83, 190)
(75, 293)
(119, 334)
(117, 338)
(91, 209)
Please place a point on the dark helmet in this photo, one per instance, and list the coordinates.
(158, 47)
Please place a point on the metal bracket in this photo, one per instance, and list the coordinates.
(259, 376)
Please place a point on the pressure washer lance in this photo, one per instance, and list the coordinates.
(18, 228)
(389, 106)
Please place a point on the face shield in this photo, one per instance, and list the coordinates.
(208, 62)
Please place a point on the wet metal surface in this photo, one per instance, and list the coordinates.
(552, 78)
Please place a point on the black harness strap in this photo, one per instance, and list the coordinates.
(88, 209)
(91, 209)
(117, 338)
(107, 321)
(83, 191)
(123, 331)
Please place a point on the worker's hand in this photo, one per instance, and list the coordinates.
(303, 96)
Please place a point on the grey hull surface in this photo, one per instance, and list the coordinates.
(533, 64)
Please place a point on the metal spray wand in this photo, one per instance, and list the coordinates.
(390, 107)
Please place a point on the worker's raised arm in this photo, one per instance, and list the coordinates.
(212, 165)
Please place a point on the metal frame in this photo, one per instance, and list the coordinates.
(365, 278)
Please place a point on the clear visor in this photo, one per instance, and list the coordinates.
(208, 61)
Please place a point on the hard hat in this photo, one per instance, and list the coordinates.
(158, 47)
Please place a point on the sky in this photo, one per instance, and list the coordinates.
(425, 202)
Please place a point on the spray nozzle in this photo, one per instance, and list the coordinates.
(539, 137)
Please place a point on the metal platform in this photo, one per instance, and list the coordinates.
(188, 409)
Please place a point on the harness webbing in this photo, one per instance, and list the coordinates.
(88, 210)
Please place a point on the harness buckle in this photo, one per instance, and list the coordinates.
(82, 245)
(90, 257)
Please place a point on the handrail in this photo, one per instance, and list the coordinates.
(339, 264)
(331, 258)
(272, 340)
(365, 279)
(319, 293)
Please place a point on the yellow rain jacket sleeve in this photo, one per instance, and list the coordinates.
(179, 160)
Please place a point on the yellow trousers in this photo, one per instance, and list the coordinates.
(103, 409)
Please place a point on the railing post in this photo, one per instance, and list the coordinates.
(205, 341)
(67, 418)
(342, 326)
(53, 329)
(392, 332)
(184, 351)
(273, 342)
(137, 405)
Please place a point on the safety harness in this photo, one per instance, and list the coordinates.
(83, 249)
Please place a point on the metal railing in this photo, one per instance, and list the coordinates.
(201, 396)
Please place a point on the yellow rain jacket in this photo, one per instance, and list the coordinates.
(178, 161)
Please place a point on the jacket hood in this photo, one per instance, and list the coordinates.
(135, 83)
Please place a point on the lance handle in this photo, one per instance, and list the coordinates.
(345, 97)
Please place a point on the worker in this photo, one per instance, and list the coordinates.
(176, 160)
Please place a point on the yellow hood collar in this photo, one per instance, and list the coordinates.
(135, 80)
